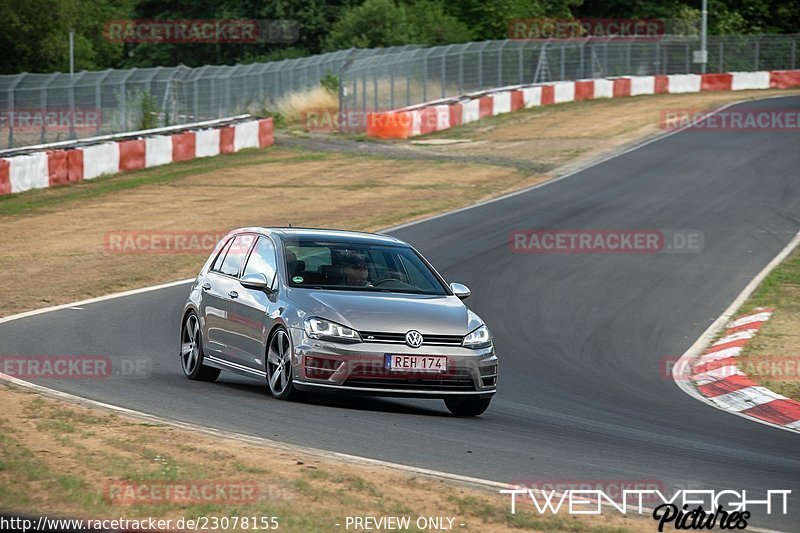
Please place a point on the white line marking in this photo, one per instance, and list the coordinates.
(94, 300)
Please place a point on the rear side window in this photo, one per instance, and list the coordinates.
(236, 254)
(221, 257)
(262, 260)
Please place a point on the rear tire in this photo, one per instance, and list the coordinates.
(192, 352)
(467, 405)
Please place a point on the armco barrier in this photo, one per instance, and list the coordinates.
(49, 168)
(437, 116)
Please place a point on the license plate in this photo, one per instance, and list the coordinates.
(416, 363)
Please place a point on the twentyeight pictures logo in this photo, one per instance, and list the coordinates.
(684, 509)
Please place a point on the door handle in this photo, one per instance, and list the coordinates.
(206, 286)
(233, 294)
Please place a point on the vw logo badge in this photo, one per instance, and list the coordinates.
(414, 338)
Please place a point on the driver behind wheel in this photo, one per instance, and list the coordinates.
(356, 270)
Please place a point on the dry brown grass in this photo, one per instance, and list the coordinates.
(294, 106)
(60, 458)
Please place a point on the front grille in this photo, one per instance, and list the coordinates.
(400, 338)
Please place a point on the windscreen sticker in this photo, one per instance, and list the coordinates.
(297, 279)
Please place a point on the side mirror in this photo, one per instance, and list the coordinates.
(462, 291)
(256, 281)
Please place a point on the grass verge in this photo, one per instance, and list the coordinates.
(70, 461)
(771, 357)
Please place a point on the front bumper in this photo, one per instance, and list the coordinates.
(359, 368)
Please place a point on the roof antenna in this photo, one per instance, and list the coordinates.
(290, 224)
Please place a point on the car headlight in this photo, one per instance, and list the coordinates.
(319, 328)
(480, 338)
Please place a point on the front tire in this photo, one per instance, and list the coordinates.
(279, 366)
(467, 405)
(192, 352)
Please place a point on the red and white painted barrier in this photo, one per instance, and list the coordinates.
(717, 376)
(49, 168)
(158, 150)
(426, 118)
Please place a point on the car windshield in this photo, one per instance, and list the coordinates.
(314, 263)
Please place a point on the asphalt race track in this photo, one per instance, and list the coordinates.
(581, 337)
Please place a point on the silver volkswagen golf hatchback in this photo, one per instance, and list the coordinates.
(312, 310)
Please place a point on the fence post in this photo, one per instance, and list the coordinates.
(688, 59)
(391, 88)
(461, 71)
(98, 99)
(11, 103)
(425, 78)
(658, 59)
(342, 70)
(43, 105)
(480, 67)
(500, 63)
(375, 90)
(72, 106)
(408, 88)
(363, 95)
(757, 53)
(628, 66)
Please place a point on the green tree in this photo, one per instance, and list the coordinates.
(35, 36)
(386, 23)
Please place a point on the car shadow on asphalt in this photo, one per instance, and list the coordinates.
(341, 401)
